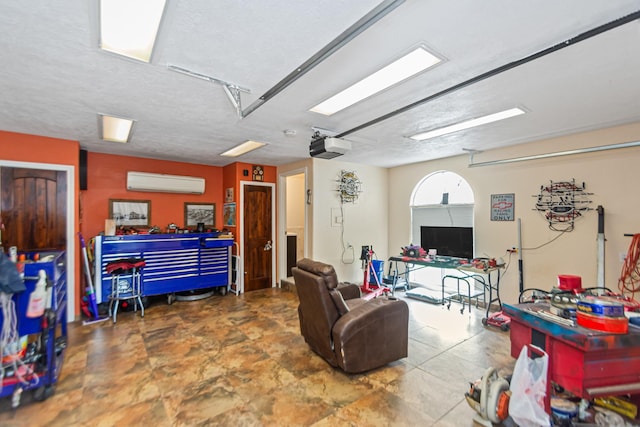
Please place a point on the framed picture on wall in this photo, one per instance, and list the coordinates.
(130, 213)
(195, 213)
(230, 214)
(228, 195)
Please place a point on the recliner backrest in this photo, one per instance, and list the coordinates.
(349, 332)
(317, 309)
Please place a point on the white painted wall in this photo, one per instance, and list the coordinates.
(611, 175)
(365, 221)
(382, 217)
(284, 171)
(295, 202)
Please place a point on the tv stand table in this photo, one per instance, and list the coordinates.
(467, 276)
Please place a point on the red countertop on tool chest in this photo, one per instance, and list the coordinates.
(585, 362)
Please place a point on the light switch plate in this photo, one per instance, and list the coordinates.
(336, 217)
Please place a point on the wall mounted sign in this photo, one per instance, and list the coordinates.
(502, 207)
(562, 202)
(349, 186)
(258, 173)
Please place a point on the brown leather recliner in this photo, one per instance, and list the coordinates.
(346, 330)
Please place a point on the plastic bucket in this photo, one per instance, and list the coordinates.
(376, 267)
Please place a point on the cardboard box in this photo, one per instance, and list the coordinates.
(109, 227)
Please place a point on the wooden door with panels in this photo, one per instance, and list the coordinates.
(33, 208)
(258, 232)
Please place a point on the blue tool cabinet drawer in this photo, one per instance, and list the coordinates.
(173, 262)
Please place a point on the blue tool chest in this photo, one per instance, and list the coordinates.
(173, 262)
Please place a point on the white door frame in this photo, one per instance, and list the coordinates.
(273, 226)
(71, 215)
(282, 219)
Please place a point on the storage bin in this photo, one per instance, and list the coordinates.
(376, 267)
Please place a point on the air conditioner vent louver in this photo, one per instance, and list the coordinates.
(142, 181)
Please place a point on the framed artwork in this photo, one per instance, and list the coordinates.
(130, 213)
(195, 213)
(228, 195)
(258, 173)
(230, 214)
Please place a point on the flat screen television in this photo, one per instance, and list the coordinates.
(448, 241)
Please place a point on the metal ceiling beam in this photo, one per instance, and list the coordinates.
(363, 23)
(207, 78)
(232, 90)
(558, 46)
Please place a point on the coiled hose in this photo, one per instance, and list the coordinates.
(629, 281)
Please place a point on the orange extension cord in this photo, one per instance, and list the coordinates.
(629, 280)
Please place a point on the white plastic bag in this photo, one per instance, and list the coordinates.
(528, 390)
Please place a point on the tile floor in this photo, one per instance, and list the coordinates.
(240, 361)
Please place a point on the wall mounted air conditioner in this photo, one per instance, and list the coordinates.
(142, 181)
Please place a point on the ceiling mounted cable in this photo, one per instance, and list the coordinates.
(350, 33)
(558, 46)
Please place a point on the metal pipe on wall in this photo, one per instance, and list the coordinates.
(558, 154)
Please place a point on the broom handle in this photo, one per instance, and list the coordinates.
(87, 272)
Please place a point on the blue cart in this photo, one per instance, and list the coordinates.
(43, 339)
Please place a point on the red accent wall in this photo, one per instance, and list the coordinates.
(233, 174)
(39, 149)
(107, 179)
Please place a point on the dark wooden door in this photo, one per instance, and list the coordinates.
(258, 246)
(33, 208)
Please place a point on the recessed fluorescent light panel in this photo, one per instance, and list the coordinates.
(243, 148)
(130, 27)
(115, 129)
(409, 65)
(468, 124)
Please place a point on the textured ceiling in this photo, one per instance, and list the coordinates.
(55, 80)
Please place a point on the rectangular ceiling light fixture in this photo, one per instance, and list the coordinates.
(409, 65)
(130, 27)
(115, 129)
(468, 124)
(243, 148)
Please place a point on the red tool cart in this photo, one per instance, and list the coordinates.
(585, 362)
(42, 339)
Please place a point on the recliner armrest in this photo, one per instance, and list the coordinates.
(372, 334)
(369, 314)
(349, 290)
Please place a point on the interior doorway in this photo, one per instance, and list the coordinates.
(67, 176)
(292, 233)
(257, 222)
(33, 209)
